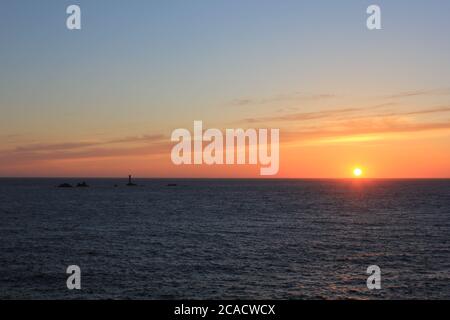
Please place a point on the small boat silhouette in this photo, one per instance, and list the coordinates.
(65, 185)
(171, 184)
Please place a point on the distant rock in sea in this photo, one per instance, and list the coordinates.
(171, 184)
(82, 185)
(65, 185)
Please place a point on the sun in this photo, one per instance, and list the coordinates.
(357, 172)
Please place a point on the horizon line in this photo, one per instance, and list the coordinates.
(228, 178)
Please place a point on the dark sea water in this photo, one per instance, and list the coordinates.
(225, 239)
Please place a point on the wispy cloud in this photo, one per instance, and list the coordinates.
(416, 93)
(433, 110)
(127, 146)
(95, 153)
(78, 145)
(303, 116)
(295, 96)
(381, 126)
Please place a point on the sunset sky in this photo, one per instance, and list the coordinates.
(103, 101)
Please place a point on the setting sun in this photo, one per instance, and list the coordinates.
(357, 172)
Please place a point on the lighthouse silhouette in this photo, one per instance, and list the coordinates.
(130, 184)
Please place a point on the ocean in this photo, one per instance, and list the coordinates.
(225, 239)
